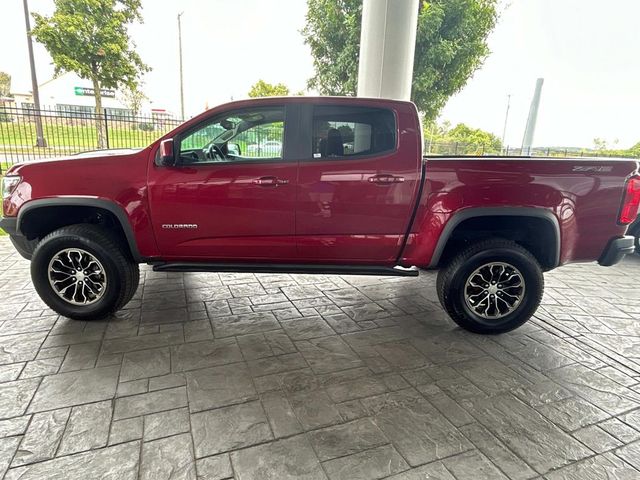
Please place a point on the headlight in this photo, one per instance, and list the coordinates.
(9, 184)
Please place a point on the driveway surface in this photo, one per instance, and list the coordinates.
(313, 377)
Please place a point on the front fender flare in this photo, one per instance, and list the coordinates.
(108, 205)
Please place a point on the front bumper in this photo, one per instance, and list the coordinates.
(616, 249)
(9, 225)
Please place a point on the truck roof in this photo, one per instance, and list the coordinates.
(319, 100)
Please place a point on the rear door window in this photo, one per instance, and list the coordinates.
(348, 132)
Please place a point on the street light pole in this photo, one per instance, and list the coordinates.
(181, 78)
(506, 119)
(40, 140)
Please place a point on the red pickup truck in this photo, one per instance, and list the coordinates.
(331, 185)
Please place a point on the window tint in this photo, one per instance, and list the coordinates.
(236, 136)
(352, 131)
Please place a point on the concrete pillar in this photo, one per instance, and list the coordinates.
(530, 130)
(387, 47)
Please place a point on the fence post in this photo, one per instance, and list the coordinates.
(456, 150)
(106, 127)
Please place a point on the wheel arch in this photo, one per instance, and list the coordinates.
(513, 223)
(74, 208)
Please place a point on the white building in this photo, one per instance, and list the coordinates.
(70, 94)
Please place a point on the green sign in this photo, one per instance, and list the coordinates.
(90, 92)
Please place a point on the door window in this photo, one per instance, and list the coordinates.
(347, 132)
(243, 135)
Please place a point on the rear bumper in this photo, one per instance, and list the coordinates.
(616, 249)
(9, 225)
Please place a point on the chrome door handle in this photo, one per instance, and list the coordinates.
(385, 179)
(270, 181)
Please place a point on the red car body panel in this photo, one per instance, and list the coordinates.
(330, 211)
(343, 216)
(585, 203)
(236, 218)
(120, 179)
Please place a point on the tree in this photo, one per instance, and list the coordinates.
(600, 143)
(451, 45)
(461, 139)
(5, 84)
(264, 89)
(133, 98)
(474, 138)
(90, 38)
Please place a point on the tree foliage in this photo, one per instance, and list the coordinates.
(5, 84)
(90, 38)
(133, 98)
(464, 139)
(601, 149)
(451, 45)
(264, 89)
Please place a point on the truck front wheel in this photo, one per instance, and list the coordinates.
(493, 286)
(82, 272)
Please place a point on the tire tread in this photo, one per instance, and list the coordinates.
(445, 280)
(109, 242)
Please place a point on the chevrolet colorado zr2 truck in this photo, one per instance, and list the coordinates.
(331, 185)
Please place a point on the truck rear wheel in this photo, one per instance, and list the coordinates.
(492, 287)
(82, 272)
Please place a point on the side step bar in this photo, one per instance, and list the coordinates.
(396, 271)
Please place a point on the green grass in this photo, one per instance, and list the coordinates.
(84, 136)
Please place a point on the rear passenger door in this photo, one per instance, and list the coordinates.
(357, 183)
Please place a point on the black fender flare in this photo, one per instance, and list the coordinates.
(108, 205)
(474, 212)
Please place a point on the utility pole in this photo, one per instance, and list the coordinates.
(181, 78)
(40, 140)
(506, 119)
(530, 130)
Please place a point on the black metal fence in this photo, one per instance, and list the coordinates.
(470, 149)
(66, 132)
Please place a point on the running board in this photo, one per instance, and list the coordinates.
(396, 271)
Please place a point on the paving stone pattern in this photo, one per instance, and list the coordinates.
(219, 376)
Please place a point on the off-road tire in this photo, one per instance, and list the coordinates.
(452, 279)
(122, 272)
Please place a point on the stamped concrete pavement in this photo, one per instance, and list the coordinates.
(217, 376)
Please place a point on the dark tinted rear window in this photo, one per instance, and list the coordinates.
(352, 131)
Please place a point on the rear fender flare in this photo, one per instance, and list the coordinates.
(468, 213)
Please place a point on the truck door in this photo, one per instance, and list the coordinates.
(357, 184)
(232, 194)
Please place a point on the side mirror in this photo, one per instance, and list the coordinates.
(233, 149)
(167, 154)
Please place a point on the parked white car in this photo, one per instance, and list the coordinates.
(270, 148)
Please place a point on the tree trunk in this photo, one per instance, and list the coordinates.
(100, 118)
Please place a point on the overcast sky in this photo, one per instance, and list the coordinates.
(587, 51)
